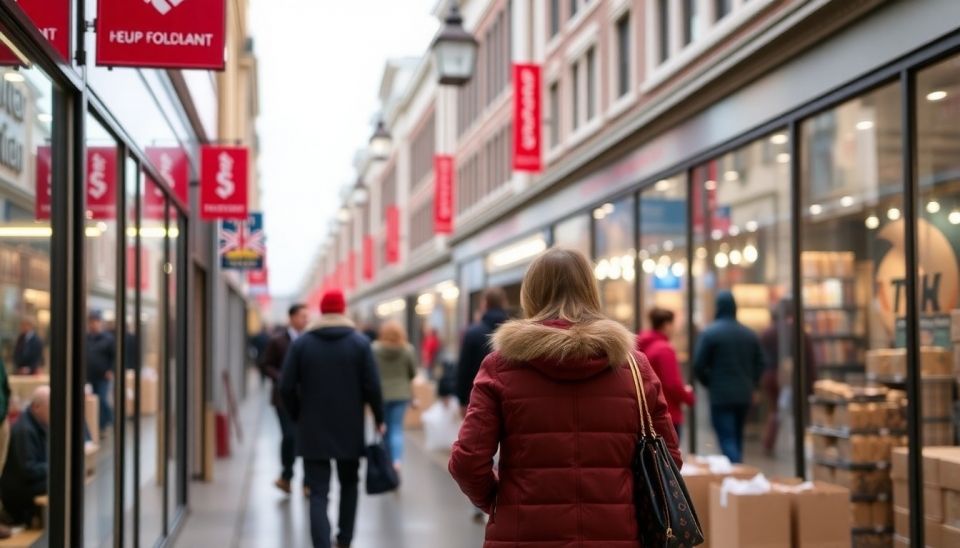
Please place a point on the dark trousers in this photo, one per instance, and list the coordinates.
(729, 422)
(288, 443)
(101, 388)
(317, 474)
(770, 383)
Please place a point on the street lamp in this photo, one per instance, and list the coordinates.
(454, 50)
(344, 214)
(380, 142)
(360, 193)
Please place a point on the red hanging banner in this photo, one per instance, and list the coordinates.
(170, 34)
(43, 201)
(52, 17)
(102, 183)
(144, 258)
(223, 183)
(393, 234)
(258, 278)
(443, 194)
(351, 270)
(174, 167)
(527, 118)
(368, 259)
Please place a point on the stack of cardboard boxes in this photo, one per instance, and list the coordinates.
(941, 497)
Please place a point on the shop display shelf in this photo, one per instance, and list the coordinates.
(821, 400)
(902, 379)
(846, 367)
(881, 497)
(832, 308)
(835, 337)
(887, 530)
(847, 432)
(844, 278)
(879, 465)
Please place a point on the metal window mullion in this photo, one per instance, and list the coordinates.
(691, 288)
(911, 316)
(119, 388)
(799, 379)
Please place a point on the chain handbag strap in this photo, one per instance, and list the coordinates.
(646, 421)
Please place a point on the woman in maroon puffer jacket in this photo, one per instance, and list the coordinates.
(557, 397)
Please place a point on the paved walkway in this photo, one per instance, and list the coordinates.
(242, 508)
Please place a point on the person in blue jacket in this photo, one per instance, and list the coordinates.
(729, 362)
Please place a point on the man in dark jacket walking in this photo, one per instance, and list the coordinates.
(476, 342)
(729, 361)
(25, 473)
(328, 376)
(101, 357)
(28, 350)
(271, 363)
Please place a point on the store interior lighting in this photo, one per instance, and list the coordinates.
(391, 307)
(701, 253)
(663, 185)
(864, 125)
(710, 185)
(783, 158)
(735, 257)
(872, 222)
(44, 117)
(649, 266)
(14, 77)
(731, 176)
(816, 209)
(721, 260)
(893, 214)
(847, 201)
(752, 226)
(678, 269)
(936, 95)
(954, 217)
(933, 206)
(450, 293)
(716, 234)
(734, 230)
(668, 245)
(518, 252)
(750, 254)
(779, 138)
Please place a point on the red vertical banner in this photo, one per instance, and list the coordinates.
(368, 258)
(102, 183)
(52, 17)
(44, 198)
(351, 270)
(258, 278)
(223, 183)
(132, 257)
(527, 118)
(443, 194)
(174, 168)
(393, 234)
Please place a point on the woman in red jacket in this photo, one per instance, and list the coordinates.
(655, 343)
(556, 396)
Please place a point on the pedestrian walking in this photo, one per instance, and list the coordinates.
(557, 397)
(429, 350)
(328, 377)
(28, 350)
(101, 357)
(271, 364)
(397, 366)
(655, 344)
(729, 361)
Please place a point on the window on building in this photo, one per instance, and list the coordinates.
(554, 120)
(591, 83)
(664, 22)
(623, 55)
(690, 21)
(614, 248)
(575, 94)
(554, 18)
(723, 8)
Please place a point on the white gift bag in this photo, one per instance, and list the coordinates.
(441, 425)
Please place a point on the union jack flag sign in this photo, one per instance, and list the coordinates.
(243, 245)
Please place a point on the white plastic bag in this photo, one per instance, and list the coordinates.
(441, 425)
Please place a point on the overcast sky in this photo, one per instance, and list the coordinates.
(320, 65)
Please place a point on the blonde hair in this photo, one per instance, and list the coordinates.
(392, 333)
(560, 285)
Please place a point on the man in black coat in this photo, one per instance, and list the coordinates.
(25, 473)
(101, 357)
(28, 350)
(328, 376)
(476, 342)
(271, 363)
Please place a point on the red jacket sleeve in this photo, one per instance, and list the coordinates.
(668, 369)
(471, 463)
(662, 422)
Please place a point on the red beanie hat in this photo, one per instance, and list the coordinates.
(333, 302)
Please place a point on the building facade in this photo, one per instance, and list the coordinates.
(799, 153)
(96, 244)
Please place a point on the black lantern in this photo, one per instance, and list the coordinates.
(359, 194)
(380, 142)
(454, 50)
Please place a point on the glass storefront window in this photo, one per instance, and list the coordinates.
(438, 339)
(573, 233)
(615, 259)
(741, 225)
(662, 258)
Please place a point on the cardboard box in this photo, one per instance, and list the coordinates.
(901, 495)
(91, 415)
(951, 508)
(820, 517)
(425, 392)
(149, 391)
(23, 386)
(932, 532)
(901, 523)
(900, 542)
(933, 503)
(949, 536)
(949, 468)
(935, 360)
(933, 459)
(750, 521)
(699, 479)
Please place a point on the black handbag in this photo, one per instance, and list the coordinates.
(381, 476)
(665, 516)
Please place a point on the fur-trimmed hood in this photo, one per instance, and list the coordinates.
(564, 350)
(332, 326)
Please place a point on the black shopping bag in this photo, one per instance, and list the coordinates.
(381, 476)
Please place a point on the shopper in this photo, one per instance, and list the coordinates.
(28, 350)
(271, 363)
(101, 358)
(429, 350)
(776, 375)
(397, 366)
(729, 361)
(25, 472)
(328, 376)
(655, 344)
(558, 399)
